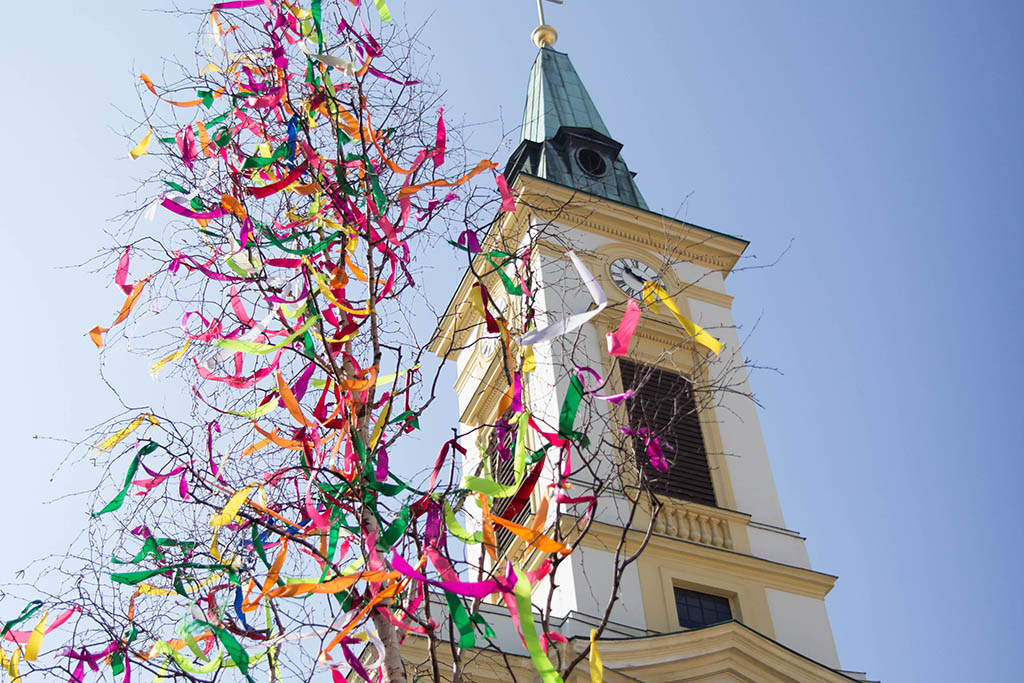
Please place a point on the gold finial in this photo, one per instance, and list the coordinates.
(544, 35)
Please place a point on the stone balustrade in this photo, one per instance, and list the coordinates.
(699, 523)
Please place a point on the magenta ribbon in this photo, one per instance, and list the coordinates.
(177, 208)
(442, 139)
(470, 589)
(654, 448)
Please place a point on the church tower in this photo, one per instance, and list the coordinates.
(723, 590)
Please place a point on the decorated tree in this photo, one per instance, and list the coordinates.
(261, 525)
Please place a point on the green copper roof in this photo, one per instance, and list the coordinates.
(560, 122)
(555, 98)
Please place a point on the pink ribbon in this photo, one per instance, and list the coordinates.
(22, 637)
(618, 341)
(508, 201)
(121, 276)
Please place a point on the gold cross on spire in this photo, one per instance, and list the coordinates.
(544, 35)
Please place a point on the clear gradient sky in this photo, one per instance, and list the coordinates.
(877, 145)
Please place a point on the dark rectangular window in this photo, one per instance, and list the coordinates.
(501, 461)
(663, 403)
(700, 609)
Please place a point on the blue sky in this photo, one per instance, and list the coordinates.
(876, 145)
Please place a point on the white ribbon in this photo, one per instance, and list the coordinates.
(575, 321)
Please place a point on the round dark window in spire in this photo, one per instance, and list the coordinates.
(591, 162)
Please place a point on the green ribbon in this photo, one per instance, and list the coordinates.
(485, 254)
(26, 612)
(311, 77)
(153, 545)
(395, 531)
(378, 194)
(263, 162)
(238, 655)
(117, 659)
(135, 578)
(118, 500)
(318, 247)
(510, 287)
(462, 620)
(223, 137)
(332, 541)
(412, 415)
(567, 417)
(317, 12)
(479, 620)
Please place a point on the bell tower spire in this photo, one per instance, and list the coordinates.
(564, 139)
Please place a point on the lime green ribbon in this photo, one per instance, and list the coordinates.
(257, 349)
(457, 530)
(255, 413)
(528, 627)
(488, 486)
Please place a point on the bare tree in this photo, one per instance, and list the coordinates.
(311, 176)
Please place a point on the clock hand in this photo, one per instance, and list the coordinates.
(638, 282)
(640, 279)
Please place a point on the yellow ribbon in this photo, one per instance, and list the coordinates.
(143, 146)
(150, 589)
(159, 365)
(35, 641)
(596, 667)
(11, 663)
(230, 511)
(322, 286)
(652, 289)
(529, 360)
(120, 436)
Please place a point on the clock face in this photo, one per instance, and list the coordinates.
(630, 275)
(488, 343)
